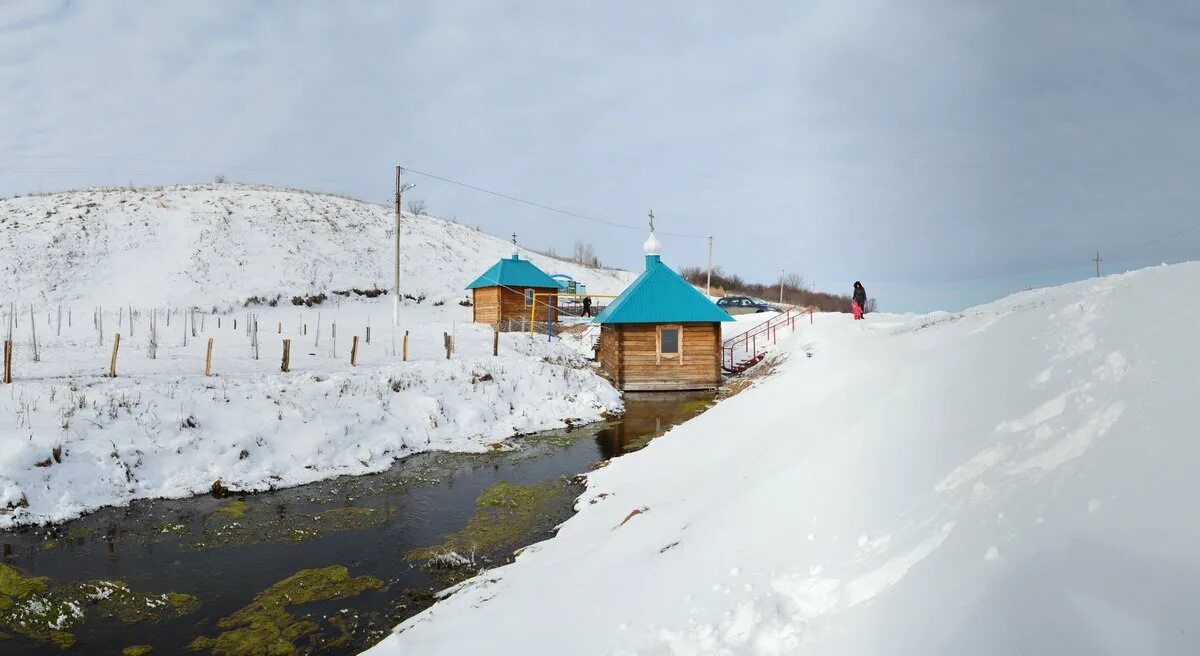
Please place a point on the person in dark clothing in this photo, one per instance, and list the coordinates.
(860, 296)
(587, 306)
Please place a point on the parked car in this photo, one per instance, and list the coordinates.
(743, 305)
(770, 304)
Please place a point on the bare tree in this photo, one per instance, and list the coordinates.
(585, 255)
(416, 206)
(220, 179)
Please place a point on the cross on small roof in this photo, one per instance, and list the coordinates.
(651, 220)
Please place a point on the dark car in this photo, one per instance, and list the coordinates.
(743, 305)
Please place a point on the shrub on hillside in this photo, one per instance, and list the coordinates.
(795, 291)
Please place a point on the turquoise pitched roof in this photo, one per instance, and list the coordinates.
(514, 272)
(659, 295)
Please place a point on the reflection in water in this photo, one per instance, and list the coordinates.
(648, 415)
(225, 555)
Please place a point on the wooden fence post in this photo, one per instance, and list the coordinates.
(208, 358)
(112, 364)
(279, 329)
(368, 334)
(448, 343)
(8, 349)
(354, 352)
(496, 339)
(405, 353)
(287, 355)
(33, 332)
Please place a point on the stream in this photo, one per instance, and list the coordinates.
(325, 568)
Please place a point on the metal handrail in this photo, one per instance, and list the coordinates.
(769, 328)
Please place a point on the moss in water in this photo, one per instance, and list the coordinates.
(266, 626)
(169, 527)
(263, 525)
(137, 650)
(506, 514)
(14, 586)
(79, 533)
(233, 509)
(45, 610)
(562, 439)
(695, 406)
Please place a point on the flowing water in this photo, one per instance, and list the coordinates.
(428, 522)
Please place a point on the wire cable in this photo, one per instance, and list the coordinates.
(543, 206)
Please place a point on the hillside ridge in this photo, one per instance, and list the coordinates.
(219, 244)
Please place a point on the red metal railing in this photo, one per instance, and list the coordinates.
(742, 351)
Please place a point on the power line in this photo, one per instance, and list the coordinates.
(1165, 237)
(285, 174)
(549, 208)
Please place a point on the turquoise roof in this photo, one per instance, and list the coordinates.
(514, 272)
(659, 295)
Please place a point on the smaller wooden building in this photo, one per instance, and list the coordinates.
(661, 333)
(505, 293)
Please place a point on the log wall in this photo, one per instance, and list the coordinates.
(629, 357)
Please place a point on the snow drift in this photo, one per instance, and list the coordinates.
(1016, 478)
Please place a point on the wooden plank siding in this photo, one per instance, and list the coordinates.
(610, 353)
(485, 305)
(629, 356)
(495, 304)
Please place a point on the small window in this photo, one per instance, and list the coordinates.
(670, 343)
(528, 298)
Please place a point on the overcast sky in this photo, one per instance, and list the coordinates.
(944, 153)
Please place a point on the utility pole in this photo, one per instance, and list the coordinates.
(1097, 261)
(781, 286)
(400, 189)
(708, 287)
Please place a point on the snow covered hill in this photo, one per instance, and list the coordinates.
(1019, 478)
(127, 263)
(219, 244)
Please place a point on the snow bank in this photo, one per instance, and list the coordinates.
(1017, 478)
(75, 443)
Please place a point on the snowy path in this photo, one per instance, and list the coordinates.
(1017, 478)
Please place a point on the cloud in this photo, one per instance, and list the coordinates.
(915, 145)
